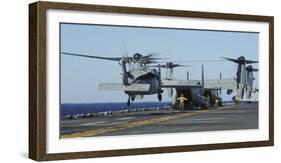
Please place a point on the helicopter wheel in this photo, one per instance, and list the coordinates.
(204, 106)
(133, 98)
(159, 97)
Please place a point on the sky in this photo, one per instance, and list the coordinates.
(80, 76)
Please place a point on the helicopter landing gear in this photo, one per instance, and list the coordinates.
(129, 101)
(159, 96)
(133, 98)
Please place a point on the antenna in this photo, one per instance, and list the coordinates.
(202, 77)
(220, 79)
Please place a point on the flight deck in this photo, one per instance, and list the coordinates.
(135, 122)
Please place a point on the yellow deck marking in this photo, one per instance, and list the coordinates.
(133, 124)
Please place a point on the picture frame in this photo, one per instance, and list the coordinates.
(38, 78)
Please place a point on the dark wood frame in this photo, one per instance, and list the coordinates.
(37, 79)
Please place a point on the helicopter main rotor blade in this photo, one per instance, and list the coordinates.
(149, 55)
(146, 61)
(172, 66)
(162, 66)
(154, 58)
(91, 56)
(190, 61)
(177, 65)
(150, 60)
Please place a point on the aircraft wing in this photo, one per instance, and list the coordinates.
(180, 83)
(122, 87)
(221, 83)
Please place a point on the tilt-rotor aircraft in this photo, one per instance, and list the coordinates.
(196, 91)
(137, 79)
(244, 76)
(205, 92)
(191, 89)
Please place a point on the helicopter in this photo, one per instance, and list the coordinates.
(137, 78)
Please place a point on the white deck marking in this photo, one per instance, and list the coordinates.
(229, 112)
(203, 121)
(206, 119)
(92, 123)
(125, 118)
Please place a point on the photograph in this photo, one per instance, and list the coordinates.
(118, 80)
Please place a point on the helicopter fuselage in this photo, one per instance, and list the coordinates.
(151, 78)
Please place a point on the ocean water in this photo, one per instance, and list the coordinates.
(72, 108)
(84, 108)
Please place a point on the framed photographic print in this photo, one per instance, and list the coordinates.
(113, 81)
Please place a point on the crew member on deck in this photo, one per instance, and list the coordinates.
(182, 99)
(217, 102)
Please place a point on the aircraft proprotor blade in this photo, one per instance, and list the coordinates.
(91, 56)
(121, 87)
(249, 61)
(231, 59)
